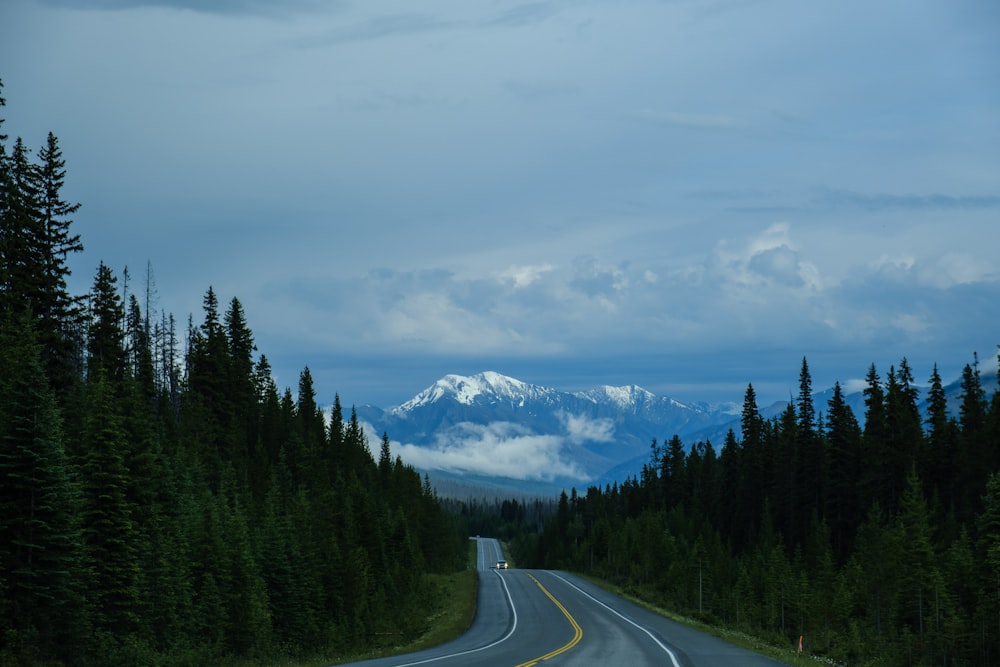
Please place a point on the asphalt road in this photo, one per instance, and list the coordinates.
(529, 617)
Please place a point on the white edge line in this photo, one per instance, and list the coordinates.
(510, 601)
(670, 653)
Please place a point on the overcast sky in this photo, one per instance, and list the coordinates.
(686, 195)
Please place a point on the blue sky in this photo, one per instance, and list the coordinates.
(684, 195)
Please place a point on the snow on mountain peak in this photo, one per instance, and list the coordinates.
(628, 396)
(465, 389)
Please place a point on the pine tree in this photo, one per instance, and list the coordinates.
(335, 439)
(989, 528)
(311, 430)
(811, 454)
(877, 559)
(756, 474)
(844, 440)
(786, 484)
(734, 523)
(245, 418)
(876, 466)
(139, 352)
(21, 235)
(109, 530)
(941, 435)
(270, 421)
(903, 439)
(358, 456)
(208, 417)
(923, 580)
(972, 448)
(248, 619)
(105, 336)
(41, 569)
(673, 472)
(59, 241)
(35, 241)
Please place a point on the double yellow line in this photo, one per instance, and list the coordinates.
(577, 631)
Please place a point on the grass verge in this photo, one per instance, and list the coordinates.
(783, 654)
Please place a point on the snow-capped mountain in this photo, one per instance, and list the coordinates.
(489, 426)
(504, 436)
(489, 387)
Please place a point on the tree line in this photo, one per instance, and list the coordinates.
(161, 505)
(876, 541)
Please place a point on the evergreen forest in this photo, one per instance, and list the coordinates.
(877, 541)
(161, 501)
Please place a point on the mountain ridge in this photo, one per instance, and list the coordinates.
(523, 436)
(467, 425)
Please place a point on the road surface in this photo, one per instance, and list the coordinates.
(541, 617)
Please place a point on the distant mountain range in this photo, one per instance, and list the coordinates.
(490, 434)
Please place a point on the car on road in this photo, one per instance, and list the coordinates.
(501, 565)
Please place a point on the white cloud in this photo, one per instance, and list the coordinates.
(505, 449)
(502, 448)
(778, 265)
(853, 385)
(581, 428)
(522, 276)
(959, 268)
(765, 261)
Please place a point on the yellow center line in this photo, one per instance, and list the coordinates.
(577, 631)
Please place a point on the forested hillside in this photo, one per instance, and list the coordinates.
(161, 501)
(877, 543)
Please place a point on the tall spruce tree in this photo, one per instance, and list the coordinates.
(62, 311)
(105, 336)
(941, 435)
(23, 252)
(755, 479)
(731, 460)
(245, 421)
(989, 527)
(876, 464)
(923, 581)
(41, 566)
(787, 508)
(973, 449)
(843, 436)
(35, 240)
(209, 410)
(811, 454)
(903, 438)
(109, 530)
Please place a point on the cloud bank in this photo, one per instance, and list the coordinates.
(684, 196)
(508, 449)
